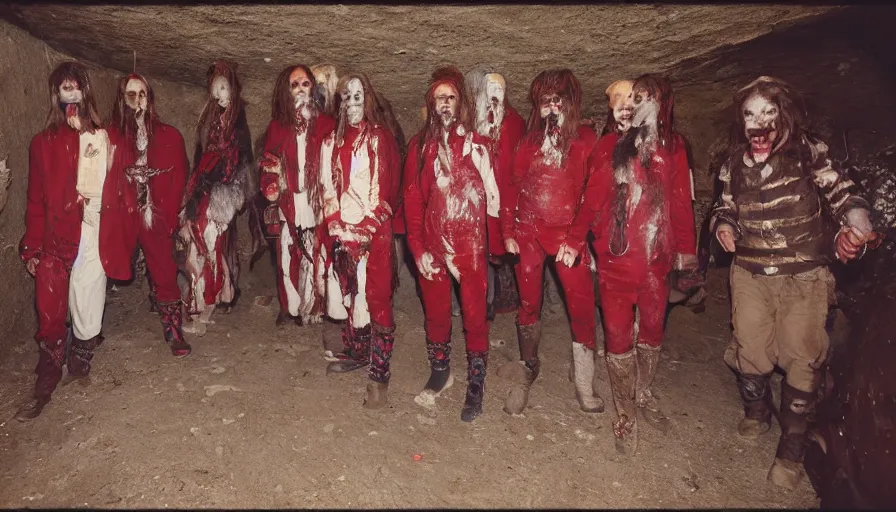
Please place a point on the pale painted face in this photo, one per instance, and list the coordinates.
(135, 94)
(646, 109)
(220, 90)
(447, 102)
(760, 125)
(70, 92)
(620, 99)
(494, 89)
(300, 85)
(353, 99)
(552, 109)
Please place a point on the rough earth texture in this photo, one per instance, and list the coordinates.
(250, 420)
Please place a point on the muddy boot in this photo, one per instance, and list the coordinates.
(440, 378)
(356, 354)
(171, 315)
(283, 318)
(522, 373)
(506, 297)
(49, 373)
(648, 407)
(622, 369)
(477, 363)
(756, 394)
(787, 471)
(80, 355)
(583, 377)
(379, 372)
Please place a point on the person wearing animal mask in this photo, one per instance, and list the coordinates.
(786, 213)
(503, 127)
(639, 201)
(222, 182)
(358, 160)
(78, 230)
(154, 159)
(450, 190)
(290, 176)
(539, 201)
(326, 80)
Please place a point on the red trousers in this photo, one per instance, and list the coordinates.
(577, 283)
(621, 289)
(473, 291)
(158, 248)
(51, 299)
(379, 277)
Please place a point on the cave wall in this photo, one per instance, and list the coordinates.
(842, 64)
(25, 64)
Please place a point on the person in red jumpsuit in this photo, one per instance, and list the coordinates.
(154, 159)
(78, 230)
(290, 176)
(450, 191)
(502, 127)
(638, 198)
(358, 161)
(219, 186)
(538, 204)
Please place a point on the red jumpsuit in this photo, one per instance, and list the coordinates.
(513, 127)
(446, 216)
(166, 150)
(538, 205)
(53, 217)
(660, 225)
(281, 142)
(361, 197)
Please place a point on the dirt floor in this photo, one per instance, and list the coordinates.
(252, 420)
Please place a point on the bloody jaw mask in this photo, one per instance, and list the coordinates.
(760, 125)
(619, 98)
(70, 98)
(446, 106)
(494, 96)
(300, 85)
(552, 112)
(646, 108)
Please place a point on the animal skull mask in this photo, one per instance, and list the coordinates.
(70, 92)
(136, 94)
(494, 90)
(760, 125)
(447, 102)
(353, 99)
(619, 97)
(220, 90)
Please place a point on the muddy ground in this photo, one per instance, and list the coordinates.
(252, 420)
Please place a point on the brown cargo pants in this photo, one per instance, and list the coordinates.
(779, 320)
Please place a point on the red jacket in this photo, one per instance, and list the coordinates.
(529, 201)
(513, 127)
(166, 150)
(675, 230)
(280, 141)
(54, 210)
(386, 168)
(419, 183)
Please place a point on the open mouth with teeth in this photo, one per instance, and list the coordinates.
(761, 140)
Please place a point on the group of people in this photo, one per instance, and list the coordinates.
(477, 188)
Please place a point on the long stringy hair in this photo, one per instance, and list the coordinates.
(123, 114)
(75, 71)
(432, 126)
(212, 110)
(563, 83)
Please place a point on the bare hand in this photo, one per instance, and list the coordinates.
(850, 240)
(31, 266)
(427, 267)
(567, 255)
(725, 235)
(511, 246)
